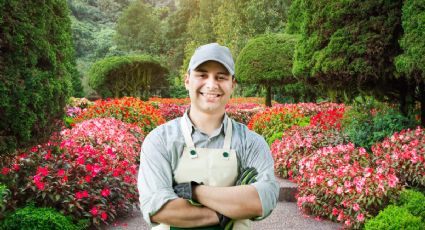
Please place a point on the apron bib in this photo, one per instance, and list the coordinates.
(212, 167)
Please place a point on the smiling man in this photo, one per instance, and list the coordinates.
(204, 170)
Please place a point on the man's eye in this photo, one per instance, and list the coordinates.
(222, 77)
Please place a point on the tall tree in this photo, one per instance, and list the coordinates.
(267, 60)
(349, 46)
(139, 29)
(412, 61)
(36, 67)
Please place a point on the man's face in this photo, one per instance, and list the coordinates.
(210, 86)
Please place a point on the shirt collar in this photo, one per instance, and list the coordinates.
(218, 131)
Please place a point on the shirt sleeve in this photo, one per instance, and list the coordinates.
(155, 177)
(259, 156)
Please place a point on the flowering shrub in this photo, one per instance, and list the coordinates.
(311, 109)
(248, 100)
(171, 111)
(404, 151)
(272, 122)
(175, 101)
(340, 182)
(88, 171)
(330, 119)
(298, 142)
(127, 109)
(243, 113)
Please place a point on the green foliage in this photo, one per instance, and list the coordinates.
(239, 20)
(414, 201)
(394, 218)
(340, 45)
(412, 61)
(267, 59)
(139, 29)
(31, 217)
(4, 194)
(36, 68)
(369, 121)
(133, 75)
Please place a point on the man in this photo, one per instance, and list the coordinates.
(207, 158)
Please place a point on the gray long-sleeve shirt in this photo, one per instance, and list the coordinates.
(161, 151)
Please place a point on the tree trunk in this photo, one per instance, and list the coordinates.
(402, 98)
(422, 101)
(268, 96)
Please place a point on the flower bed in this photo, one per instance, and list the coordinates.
(405, 152)
(127, 109)
(341, 183)
(272, 122)
(299, 142)
(243, 113)
(88, 171)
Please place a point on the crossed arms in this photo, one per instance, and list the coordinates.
(237, 202)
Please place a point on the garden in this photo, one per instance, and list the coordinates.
(370, 176)
(336, 88)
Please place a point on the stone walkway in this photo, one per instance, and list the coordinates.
(285, 216)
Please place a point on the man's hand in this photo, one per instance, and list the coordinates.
(185, 191)
(247, 176)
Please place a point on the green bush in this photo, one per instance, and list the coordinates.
(37, 70)
(31, 217)
(413, 201)
(369, 121)
(4, 192)
(394, 217)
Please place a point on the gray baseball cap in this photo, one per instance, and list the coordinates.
(212, 52)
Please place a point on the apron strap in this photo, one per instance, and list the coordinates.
(228, 135)
(188, 138)
(186, 133)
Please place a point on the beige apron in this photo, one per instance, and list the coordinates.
(213, 167)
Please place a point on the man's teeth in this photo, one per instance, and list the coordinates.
(210, 95)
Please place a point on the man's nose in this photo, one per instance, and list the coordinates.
(211, 82)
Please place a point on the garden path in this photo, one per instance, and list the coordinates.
(286, 216)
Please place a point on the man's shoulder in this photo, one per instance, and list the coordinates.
(169, 128)
(245, 131)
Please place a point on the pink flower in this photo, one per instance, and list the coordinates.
(356, 207)
(94, 211)
(48, 155)
(338, 190)
(335, 211)
(105, 192)
(85, 193)
(330, 183)
(360, 217)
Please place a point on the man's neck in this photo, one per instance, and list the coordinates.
(205, 122)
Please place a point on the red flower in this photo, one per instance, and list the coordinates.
(105, 192)
(94, 211)
(78, 195)
(89, 167)
(5, 171)
(87, 178)
(43, 171)
(104, 216)
(61, 172)
(16, 167)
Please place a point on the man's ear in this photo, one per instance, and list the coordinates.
(186, 81)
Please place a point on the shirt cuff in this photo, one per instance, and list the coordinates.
(268, 191)
(151, 205)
